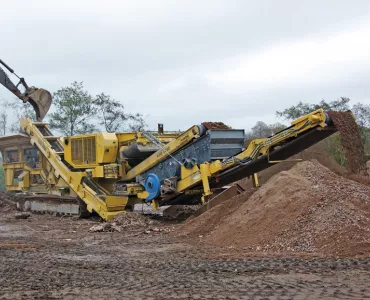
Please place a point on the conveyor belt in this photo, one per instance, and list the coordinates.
(295, 146)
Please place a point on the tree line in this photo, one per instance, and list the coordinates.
(332, 145)
(76, 111)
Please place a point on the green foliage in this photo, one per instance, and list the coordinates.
(362, 114)
(74, 110)
(332, 145)
(77, 112)
(301, 108)
(113, 116)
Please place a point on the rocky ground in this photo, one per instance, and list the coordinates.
(49, 257)
(305, 234)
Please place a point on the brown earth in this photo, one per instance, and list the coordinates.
(6, 203)
(49, 257)
(127, 221)
(351, 141)
(215, 125)
(314, 152)
(306, 209)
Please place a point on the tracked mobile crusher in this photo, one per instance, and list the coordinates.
(108, 173)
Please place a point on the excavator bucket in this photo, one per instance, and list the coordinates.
(40, 100)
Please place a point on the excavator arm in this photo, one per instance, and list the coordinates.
(40, 99)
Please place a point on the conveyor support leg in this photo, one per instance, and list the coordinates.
(204, 172)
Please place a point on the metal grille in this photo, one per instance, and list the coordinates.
(89, 150)
(77, 155)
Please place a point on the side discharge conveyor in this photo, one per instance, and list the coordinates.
(108, 173)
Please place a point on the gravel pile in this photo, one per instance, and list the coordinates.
(306, 209)
(215, 125)
(125, 221)
(351, 141)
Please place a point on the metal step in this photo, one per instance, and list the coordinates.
(51, 138)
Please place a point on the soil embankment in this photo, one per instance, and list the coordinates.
(306, 209)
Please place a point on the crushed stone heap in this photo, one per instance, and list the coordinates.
(306, 209)
(351, 141)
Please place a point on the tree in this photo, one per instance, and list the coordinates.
(332, 144)
(113, 116)
(21, 109)
(3, 122)
(7, 106)
(301, 108)
(16, 108)
(261, 130)
(138, 123)
(74, 110)
(362, 114)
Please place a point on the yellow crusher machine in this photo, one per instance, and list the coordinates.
(107, 173)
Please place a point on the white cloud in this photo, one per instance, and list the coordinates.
(313, 62)
(184, 62)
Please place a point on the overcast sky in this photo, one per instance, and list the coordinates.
(184, 62)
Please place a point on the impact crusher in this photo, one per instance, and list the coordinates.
(108, 173)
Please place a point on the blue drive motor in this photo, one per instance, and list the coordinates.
(152, 185)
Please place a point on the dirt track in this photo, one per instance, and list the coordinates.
(48, 257)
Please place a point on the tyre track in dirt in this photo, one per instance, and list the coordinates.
(65, 263)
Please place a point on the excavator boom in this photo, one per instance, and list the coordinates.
(40, 99)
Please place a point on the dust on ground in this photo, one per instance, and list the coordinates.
(125, 221)
(308, 209)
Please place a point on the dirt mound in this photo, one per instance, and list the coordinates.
(314, 152)
(209, 220)
(351, 141)
(215, 125)
(306, 209)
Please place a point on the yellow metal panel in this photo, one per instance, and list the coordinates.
(107, 147)
(258, 147)
(188, 172)
(24, 180)
(9, 174)
(91, 150)
(98, 172)
(116, 202)
(160, 155)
